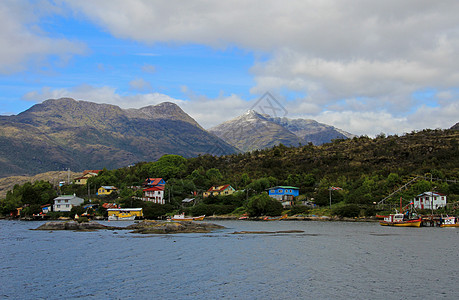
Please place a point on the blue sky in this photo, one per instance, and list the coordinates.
(387, 67)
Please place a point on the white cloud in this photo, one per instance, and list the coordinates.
(23, 43)
(358, 62)
(140, 85)
(148, 68)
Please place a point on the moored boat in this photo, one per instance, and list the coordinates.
(400, 220)
(122, 216)
(449, 222)
(182, 217)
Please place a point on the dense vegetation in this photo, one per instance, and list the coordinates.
(366, 169)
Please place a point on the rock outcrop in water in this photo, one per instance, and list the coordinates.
(73, 225)
(148, 227)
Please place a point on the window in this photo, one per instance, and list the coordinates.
(280, 191)
(67, 205)
(58, 206)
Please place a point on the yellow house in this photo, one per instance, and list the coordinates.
(106, 190)
(86, 175)
(119, 214)
(222, 190)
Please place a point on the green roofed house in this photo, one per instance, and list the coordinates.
(285, 194)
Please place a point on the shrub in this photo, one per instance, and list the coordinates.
(347, 210)
(299, 210)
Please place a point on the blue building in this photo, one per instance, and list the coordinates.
(284, 194)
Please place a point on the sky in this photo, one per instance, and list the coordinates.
(366, 67)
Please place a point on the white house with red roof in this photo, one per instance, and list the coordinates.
(429, 200)
(219, 190)
(154, 190)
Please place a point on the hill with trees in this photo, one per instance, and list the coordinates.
(367, 170)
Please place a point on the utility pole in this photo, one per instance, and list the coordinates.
(329, 191)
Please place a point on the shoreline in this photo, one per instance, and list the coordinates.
(234, 218)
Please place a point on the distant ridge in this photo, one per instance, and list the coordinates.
(65, 133)
(253, 130)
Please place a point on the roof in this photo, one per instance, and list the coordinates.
(286, 187)
(154, 188)
(430, 193)
(109, 187)
(91, 171)
(154, 181)
(218, 188)
(188, 200)
(123, 209)
(108, 205)
(66, 197)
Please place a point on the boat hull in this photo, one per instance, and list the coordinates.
(200, 218)
(449, 225)
(115, 218)
(410, 223)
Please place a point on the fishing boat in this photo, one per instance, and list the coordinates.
(400, 220)
(274, 218)
(122, 216)
(449, 222)
(407, 217)
(182, 217)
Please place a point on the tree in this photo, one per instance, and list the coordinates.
(263, 205)
(214, 176)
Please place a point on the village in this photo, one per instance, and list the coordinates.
(106, 204)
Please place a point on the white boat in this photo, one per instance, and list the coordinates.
(182, 217)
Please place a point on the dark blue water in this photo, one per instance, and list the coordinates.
(329, 260)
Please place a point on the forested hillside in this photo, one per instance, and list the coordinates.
(366, 169)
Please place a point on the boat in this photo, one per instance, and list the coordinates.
(122, 216)
(400, 220)
(405, 218)
(274, 218)
(182, 217)
(449, 222)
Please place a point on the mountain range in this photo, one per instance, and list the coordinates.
(65, 133)
(253, 130)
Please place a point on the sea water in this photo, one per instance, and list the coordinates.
(329, 260)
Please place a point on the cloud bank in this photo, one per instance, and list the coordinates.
(358, 63)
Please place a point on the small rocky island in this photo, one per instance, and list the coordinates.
(144, 227)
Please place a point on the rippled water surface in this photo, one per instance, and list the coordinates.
(330, 260)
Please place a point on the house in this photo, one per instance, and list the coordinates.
(86, 175)
(66, 202)
(154, 190)
(106, 190)
(285, 194)
(429, 200)
(150, 182)
(154, 194)
(219, 190)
